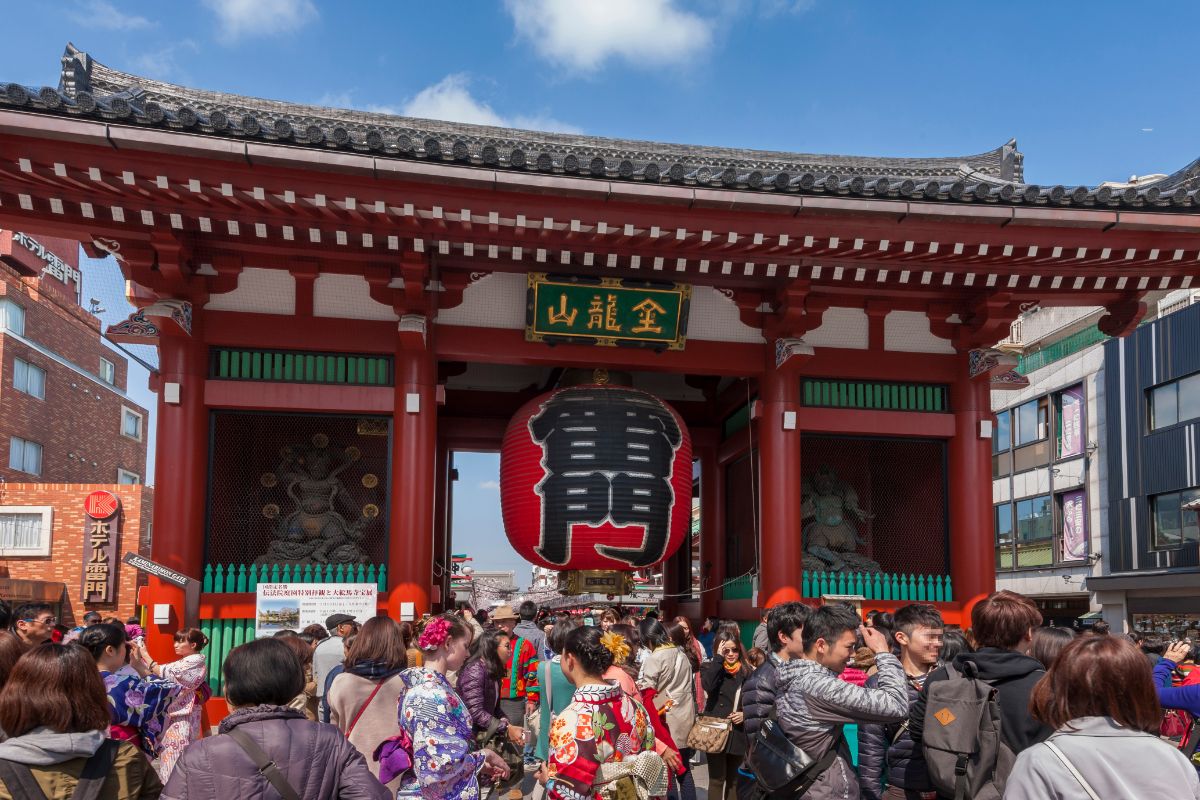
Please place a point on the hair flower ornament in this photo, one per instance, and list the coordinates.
(615, 643)
(436, 634)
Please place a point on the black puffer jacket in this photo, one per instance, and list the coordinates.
(880, 752)
(758, 695)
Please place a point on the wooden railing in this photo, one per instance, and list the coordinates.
(226, 634)
(879, 586)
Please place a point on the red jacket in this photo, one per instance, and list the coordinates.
(520, 681)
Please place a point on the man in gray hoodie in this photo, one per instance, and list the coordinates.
(814, 703)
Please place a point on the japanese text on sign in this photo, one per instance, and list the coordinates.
(100, 553)
(607, 311)
(294, 606)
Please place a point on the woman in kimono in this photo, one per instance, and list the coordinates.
(183, 717)
(138, 701)
(436, 719)
(602, 734)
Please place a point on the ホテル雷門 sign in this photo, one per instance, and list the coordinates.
(606, 311)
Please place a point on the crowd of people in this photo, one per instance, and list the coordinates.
(504, 701)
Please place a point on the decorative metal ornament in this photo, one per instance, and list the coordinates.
(370, 480)
(270, 511)
(320, 440)
(370, 511)
(268, 480)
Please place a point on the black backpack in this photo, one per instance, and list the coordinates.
(964, 748)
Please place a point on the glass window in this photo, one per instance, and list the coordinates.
(127, 477)
(131, 424)
(29, 379)
(1029, 422)
(1189, 397)
(1174, 523)
(25, 456)
(12, 317)
(1004, 536)
(1002, 435)
(1035, 532)
(108, 371)
(1164, 406)
(25, 530)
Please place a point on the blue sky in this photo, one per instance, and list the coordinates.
(1092, 91)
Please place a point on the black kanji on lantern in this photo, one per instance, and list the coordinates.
(608, 456)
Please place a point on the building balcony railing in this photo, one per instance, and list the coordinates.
(879, 586)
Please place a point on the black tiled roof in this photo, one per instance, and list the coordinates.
(90, 89)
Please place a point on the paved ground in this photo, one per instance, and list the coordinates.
(700, 773)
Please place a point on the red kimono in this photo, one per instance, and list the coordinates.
(601, 725)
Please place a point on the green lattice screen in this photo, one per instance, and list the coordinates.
(301, 367)
(875, 395)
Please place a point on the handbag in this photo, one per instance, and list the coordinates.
(499, 743)
(782, 768)
(717, 734)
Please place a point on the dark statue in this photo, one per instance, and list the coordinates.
(830, 514)
(317, 530)
(609, 455)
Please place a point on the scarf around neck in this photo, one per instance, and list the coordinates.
(373, 670)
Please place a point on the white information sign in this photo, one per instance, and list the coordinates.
(294, 606)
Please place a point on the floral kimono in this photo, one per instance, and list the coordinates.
(602, 725)
(183, 717)
(138, 708)
(431, 712)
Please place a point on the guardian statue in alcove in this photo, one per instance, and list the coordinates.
(831, 514)
(316, 532)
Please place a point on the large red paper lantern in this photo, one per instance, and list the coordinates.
(596, 477)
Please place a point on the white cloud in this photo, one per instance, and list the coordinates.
(163, 63)
(490, 485)
(1147, 130)
(241, 18)
(104, 15)
(450, 99)
(771, 8)
(583, 36)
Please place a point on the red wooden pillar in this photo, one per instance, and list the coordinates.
(712, 542)
(972, 554)
(780, 555)
(414, 457)
(181, 472)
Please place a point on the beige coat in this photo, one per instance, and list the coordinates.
(347, 694)
(668, 672)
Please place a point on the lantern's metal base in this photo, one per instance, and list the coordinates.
(598, 581)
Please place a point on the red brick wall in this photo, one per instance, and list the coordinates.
(65, 562)
(79, 422)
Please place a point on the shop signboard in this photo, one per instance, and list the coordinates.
(295, 606)
(1074, 531)
(101, 531)
(1070, 427)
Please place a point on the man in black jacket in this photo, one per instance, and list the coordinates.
(785, 628)
(888, 750)
(1003, 625)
